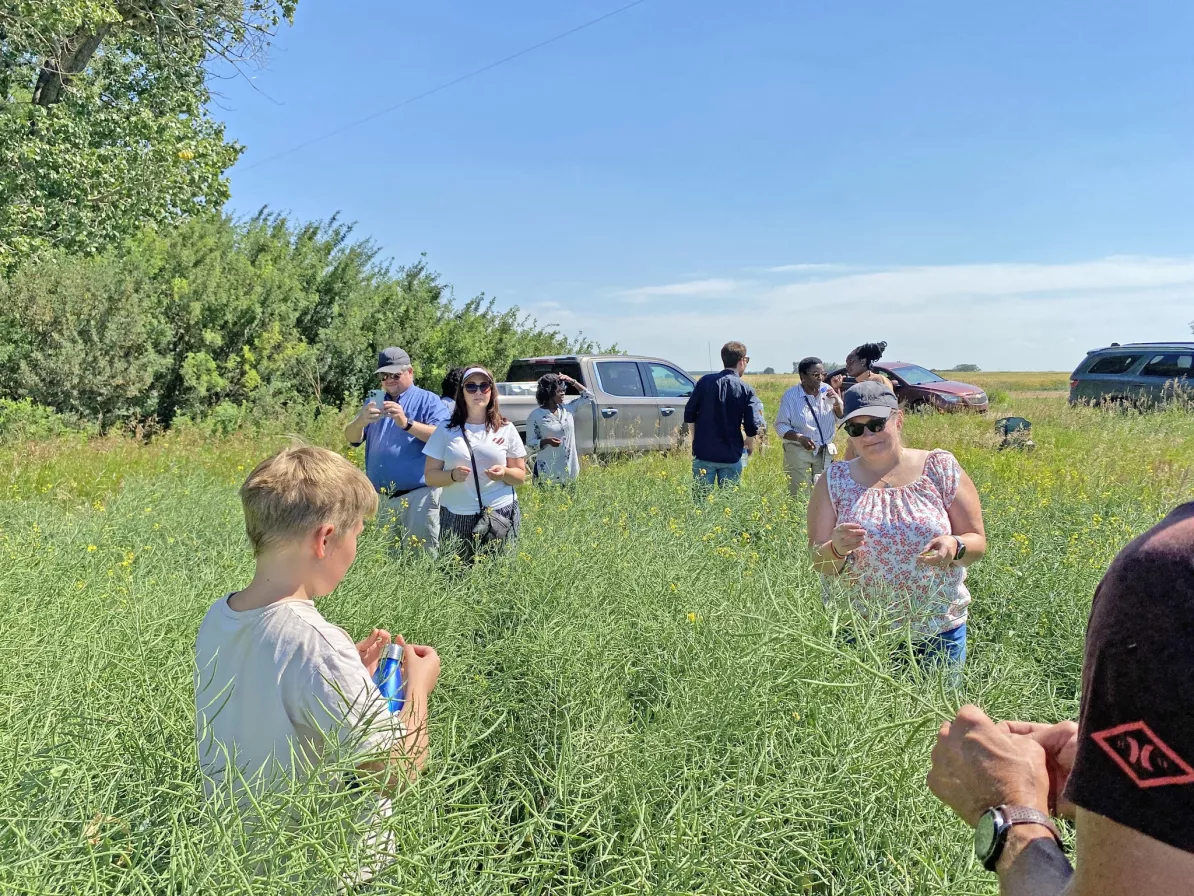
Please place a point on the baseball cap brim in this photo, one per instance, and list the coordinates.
(389, 368)
(474, 370)
(875, 411)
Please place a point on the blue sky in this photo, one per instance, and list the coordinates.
(1002, 184)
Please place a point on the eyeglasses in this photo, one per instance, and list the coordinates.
(390, 376)
(474, 388)
(854, 429)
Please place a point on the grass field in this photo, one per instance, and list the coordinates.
(647, 696)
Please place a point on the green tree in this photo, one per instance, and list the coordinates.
(103, 115)
(245, 318)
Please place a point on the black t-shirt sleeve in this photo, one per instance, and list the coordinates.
(1135, 762)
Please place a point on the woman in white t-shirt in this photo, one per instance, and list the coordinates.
(469, 487)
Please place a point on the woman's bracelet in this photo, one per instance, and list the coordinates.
(833, 550)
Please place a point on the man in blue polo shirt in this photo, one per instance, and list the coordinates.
(720, 409)
(394, 435)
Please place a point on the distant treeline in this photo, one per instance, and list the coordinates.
(236, 319)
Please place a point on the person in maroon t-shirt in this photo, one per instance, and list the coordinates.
(1125, 772)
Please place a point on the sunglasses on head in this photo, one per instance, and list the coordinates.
(854, 428)
(474, 388)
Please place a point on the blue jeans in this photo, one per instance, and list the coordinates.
(708, 474)
(946, 649)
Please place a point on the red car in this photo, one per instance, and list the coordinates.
(916, 388)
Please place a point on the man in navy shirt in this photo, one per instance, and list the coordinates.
(720, 409)
(394, 434)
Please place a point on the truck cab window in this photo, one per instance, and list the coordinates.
(621, 378)
(669, 382)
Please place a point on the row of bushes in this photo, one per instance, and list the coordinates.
(236, 320)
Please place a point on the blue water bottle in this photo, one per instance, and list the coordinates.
(389, 678)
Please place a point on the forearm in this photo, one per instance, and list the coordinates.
(438, 478)
(1032, 864)
(354, 432)
(514, 476)
(410, 755)
(826, 561)
(421, 431)
(976, 547)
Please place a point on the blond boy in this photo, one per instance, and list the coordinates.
(277, 686)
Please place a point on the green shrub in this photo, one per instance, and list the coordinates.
(23, 420)
(262, 315)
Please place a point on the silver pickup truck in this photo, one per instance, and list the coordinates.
(638, 403)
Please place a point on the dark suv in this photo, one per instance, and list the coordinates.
(918, 388)
(1139, 374)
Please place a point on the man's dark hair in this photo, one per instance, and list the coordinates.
(870, 352)
(732, 354)
(807, 364)
(549, 385)
(451, 383)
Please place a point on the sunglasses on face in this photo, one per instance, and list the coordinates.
(474, 388)
(390, 376)
(855, 429)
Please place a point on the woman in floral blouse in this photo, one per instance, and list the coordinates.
(901, 525)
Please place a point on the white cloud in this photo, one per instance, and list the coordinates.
(712, 288)
(1009, 316)
(806, 268)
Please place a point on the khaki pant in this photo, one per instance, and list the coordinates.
(413, 519)
(802, 466)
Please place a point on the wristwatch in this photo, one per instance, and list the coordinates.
(961, 552)
(409, 424)
(990, 834)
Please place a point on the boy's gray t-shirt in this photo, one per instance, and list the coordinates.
(274, 688)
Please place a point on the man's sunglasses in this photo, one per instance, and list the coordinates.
(854, 429)
(474, 388)
(390, 376)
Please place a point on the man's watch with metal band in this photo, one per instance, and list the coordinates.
(990, 834)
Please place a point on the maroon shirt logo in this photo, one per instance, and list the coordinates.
(1148, 760)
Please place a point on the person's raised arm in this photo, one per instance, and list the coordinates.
(354, 432)
(434, 473)
(829, 542)
(420, 672)
(437, 415)
(966, 528)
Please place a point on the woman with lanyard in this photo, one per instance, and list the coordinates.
(806, 423)
(477, 458)
(551, 431)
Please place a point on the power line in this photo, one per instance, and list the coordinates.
(444, 86)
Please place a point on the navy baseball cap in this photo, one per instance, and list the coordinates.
(869, 399)
(392, 360)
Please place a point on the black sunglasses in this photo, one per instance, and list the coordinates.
(854, 429)
(474, 388)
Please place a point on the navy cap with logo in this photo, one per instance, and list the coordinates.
(869, 399)
(392, 360)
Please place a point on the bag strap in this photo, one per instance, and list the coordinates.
(473, 459)
(816, 419)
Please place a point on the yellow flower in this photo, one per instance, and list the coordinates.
(692, 617)
(91, 549)
(672, 586)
